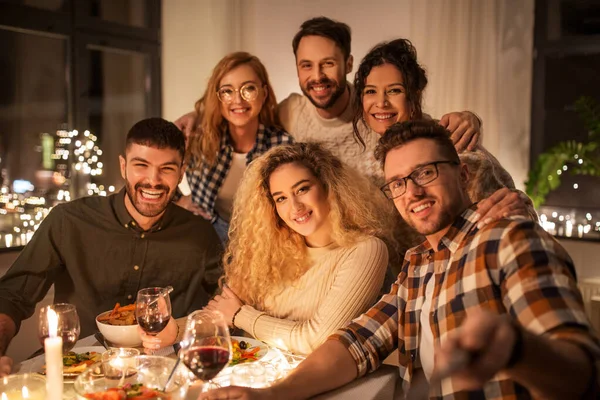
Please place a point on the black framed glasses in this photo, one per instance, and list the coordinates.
(248, 92)
(420, 177)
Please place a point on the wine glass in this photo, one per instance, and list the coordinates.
(206, 346)
(68, 324)
(153, 309)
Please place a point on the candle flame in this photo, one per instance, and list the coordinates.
(4, 396)
(25, 392)
(52, 323)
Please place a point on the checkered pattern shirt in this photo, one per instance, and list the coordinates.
(205, 180)
(508, 267)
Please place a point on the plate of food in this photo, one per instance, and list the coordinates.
(74, 362)
(246, 350)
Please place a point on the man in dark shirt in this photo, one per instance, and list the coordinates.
(101, 250)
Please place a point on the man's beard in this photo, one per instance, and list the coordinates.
(428, 227)
(337, 93)
(144, 209)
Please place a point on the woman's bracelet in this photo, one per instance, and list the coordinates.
(235, 315)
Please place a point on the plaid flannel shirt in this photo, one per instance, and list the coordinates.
(205, 180)
(508, 267)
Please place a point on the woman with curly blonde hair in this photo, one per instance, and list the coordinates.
(237, 123)
(304, 255)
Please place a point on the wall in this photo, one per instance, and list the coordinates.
(196, 35)
(478, 54)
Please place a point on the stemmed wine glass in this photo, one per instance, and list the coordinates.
(206, 346)
(153, 309)
(68, 324)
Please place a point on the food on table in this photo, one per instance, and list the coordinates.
(243, 352)
(136, 391)
(75, 363)
(124, 315)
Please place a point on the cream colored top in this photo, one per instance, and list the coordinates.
(224, 202)
(342, 283)
(301, 119)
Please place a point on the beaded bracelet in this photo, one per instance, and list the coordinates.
(235, 315)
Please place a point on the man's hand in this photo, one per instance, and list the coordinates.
(465, 129)
(165, 338)
(188, 124)
(6, 364)
(488, 338)
(187, 203)
(237, 393)
(503, 203)
(226, 303)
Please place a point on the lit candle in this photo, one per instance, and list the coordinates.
(54, 362)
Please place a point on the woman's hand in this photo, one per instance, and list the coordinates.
(165, 338)
(226, 303)
(503, 203)
(465, 129)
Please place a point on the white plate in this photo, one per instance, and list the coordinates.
(264, 349)
(36, 364)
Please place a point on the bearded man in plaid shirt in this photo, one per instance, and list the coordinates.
(490, 313)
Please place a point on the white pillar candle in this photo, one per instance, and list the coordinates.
(54, 361)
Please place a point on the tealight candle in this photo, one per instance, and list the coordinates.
(54, 362)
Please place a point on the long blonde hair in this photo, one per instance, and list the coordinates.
(208, 108)
(264, 254)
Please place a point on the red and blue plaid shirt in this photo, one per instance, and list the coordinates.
(205, 180)
(508, 267)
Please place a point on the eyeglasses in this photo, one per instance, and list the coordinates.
(420, 177)
(248, 92)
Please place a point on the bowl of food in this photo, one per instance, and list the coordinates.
(119, 326)
(147, 380)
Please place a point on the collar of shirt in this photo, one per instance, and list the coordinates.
(461, 226)
(126, 220)
(226, 142)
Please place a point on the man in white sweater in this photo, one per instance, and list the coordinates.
(324, 113)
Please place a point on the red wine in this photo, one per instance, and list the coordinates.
(153, 325)
(206, 362)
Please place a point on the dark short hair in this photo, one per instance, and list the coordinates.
(158, 133)
(401, 54)
(325, 27)
(403, 133)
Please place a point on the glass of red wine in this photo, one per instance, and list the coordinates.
(153, 309)
(68, 324)
(206, 346)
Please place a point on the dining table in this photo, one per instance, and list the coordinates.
(382, 384)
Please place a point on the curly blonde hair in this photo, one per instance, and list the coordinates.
(264, 254)
(208, 108)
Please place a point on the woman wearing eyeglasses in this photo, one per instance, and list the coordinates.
(389, 86)
(237, 123)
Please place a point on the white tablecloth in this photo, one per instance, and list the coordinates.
(380, 385)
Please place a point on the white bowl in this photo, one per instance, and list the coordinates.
(119, 335)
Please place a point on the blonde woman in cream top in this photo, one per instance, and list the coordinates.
(307, 249)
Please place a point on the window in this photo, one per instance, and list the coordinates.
(70, 64)
(566, 65)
